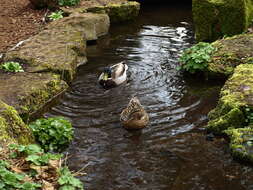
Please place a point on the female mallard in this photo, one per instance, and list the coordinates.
(134, 116)
(113, 76)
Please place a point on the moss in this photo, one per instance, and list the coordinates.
(241, 143)
(55, 50)
(233, 119)
(122, 12)
(4, 136)
(39, 95)
(235, 96)
(217, 18)
(13, 128)
(230, 52)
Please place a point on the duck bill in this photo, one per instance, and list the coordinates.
(105, 76)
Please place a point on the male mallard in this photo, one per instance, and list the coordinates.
(114, 75)
(134, 116)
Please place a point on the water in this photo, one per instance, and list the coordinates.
(172, 152)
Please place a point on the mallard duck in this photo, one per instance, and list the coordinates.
(134, 116)
(114, 75)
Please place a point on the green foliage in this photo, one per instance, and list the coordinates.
(53, 134)
(10, 180)
(56, 15)
(196, 58)
(33, 154)
(12, 66)
(33, 159)
(67, 181)
(68, 2)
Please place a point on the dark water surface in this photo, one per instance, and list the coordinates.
(172, 153)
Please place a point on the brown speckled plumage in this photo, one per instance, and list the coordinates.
(134, 116)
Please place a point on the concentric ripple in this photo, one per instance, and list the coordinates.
(168, 154)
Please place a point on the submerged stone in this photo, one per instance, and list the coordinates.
(241, 143)
(12, 127)
(214, 19)
(236, 95)
(28, 92)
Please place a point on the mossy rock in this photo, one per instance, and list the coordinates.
(122, 12)
(90, 25)
(52, 50)
(241, 143)
(214, 19)
(12, 127)
(117, 11)
(230, 52)
(235, 96)
(28, 92)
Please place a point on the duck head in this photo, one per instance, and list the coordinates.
(107, 73)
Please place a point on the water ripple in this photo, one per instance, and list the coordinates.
(120, 159)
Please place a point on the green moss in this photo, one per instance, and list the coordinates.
(12, 127)
(230, 52)
(38, 96)
(235, 96)
(123, 12)
(233, 119)
(217, 18)
(241, 143)
(4, 136)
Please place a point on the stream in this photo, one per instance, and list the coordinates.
(172, 153)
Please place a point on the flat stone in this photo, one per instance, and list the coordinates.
(52, 50)
(28, 92)
(92, 26)
(118, 11)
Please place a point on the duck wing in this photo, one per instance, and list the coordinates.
(118, 70)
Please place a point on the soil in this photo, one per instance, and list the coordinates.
(18, 21)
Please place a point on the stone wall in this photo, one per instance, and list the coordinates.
(214, 19)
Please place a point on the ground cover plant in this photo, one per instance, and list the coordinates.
(53, 134)
(196, 58)
(56, 15)
(28, 167)
(12, 66)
